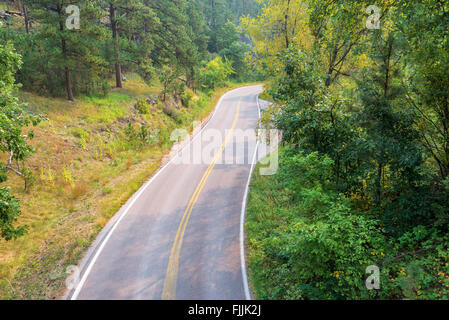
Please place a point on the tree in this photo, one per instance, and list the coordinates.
(73, 54)
(216, 13)
(115, 39)
(391, 152)
(274, 30)
(174, 41)
(232, 48)
(168, 77)
(216, 72)
(131, 24)
(237, 53)
(227, 36)
(197, 32)
(425, 26)
(13, 118)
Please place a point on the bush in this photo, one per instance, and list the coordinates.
(318, 245)
(308, 241)
(137, 138)
(142, 107)
(9, 212)
(105, 87)
(173, 113)
(187, 98)
(329, 255)
(215, 73)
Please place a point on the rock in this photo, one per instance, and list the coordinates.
(152, 100)
(4, 15)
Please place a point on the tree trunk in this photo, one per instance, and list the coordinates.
(118, 67)
(18, 4)
(68, 82)
(287, 40)
(26, 18)
(379, 184)
(118, 75)
(388, 67)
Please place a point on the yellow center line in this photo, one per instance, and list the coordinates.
(169, 291)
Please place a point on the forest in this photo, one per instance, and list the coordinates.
(114, 36)
(360, 91)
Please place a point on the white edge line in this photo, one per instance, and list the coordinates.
(242, 221)
(136, 196)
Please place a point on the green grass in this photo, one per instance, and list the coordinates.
(265, 96)
(110, 100)
(261, 216)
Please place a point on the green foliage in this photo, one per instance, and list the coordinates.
(142, 106)
(168, 77)
(187, 98)
(106, 88)
(306, 241)
(143, 37)
(231, 48)
(321, 245)
(136, 138)
(227, 36)
(61, 59)
(9, 212)
(13, 143)
(215, 73)
(236, 53)
(364, 114)
(425, 28)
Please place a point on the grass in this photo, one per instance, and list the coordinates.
(265, 96)
(82, 153)
(261, 209)
(8, 6)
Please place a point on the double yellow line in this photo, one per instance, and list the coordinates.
(169, 291)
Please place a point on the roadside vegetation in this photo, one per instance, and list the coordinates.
(363, 177)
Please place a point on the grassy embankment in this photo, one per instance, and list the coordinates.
(83, 152)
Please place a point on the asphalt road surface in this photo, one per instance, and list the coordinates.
(180, 236)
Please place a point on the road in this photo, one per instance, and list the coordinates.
(180, 236)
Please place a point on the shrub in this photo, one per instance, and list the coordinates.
(187, 97)
(9, 212)
(215, 73)
(173, 113)
(105, 87)
(318, 245)
(142, 107)
(137, 138)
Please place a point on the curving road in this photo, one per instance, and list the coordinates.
(180, 236)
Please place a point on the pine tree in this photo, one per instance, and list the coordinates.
(71, 52)
(173, 39)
